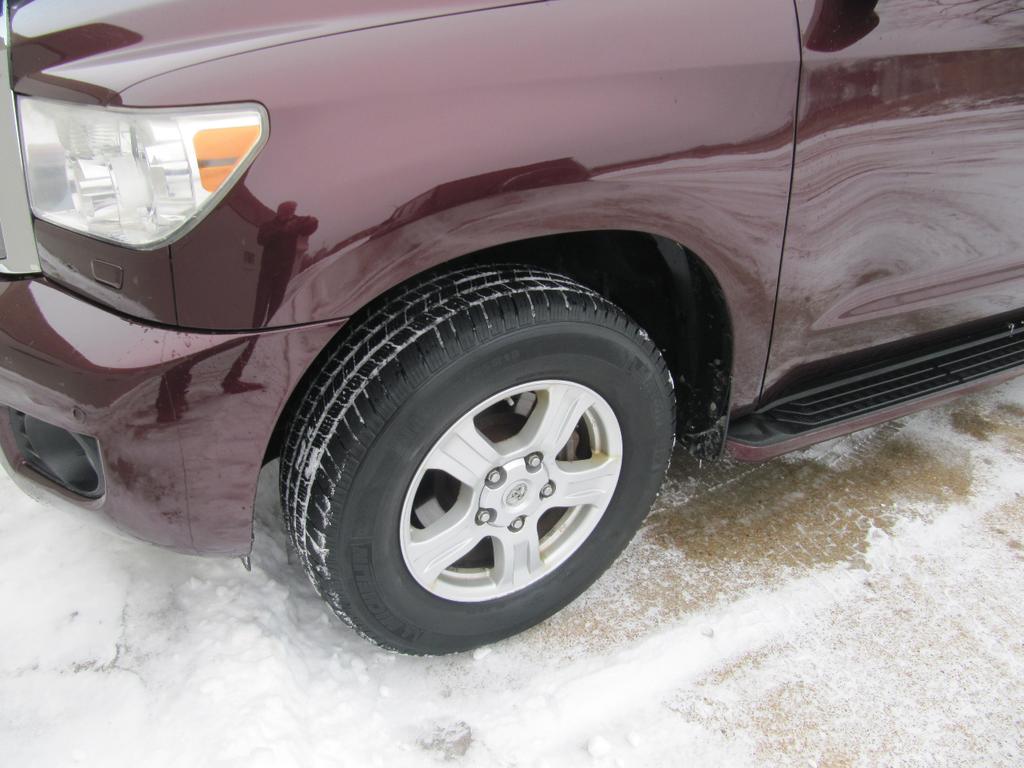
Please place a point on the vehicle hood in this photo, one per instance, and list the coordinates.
(97, 49)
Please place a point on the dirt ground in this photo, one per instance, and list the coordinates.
(855, 604)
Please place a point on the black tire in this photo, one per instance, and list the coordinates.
(395, 383)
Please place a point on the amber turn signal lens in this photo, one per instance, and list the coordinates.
(220, 150)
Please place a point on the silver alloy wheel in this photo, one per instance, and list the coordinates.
(511, 490)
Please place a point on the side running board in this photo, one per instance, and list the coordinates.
(872, 393)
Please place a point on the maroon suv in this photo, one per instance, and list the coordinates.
(469, 267)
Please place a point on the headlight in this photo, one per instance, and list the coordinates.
(138, 177)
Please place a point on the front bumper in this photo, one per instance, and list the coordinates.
(183, 419)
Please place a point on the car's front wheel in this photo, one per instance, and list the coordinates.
(473, 455)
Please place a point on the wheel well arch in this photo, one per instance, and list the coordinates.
(671, 293)
(665, 287)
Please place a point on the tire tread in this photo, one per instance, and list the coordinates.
(382, 358)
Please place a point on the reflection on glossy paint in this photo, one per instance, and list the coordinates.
(413, 144)
(905, 216)
(149, 395)
(285, 243)
(284, 239)
(838, 24)
(51, 50)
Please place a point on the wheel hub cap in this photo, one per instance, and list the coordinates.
(517, 506)
(518, 495)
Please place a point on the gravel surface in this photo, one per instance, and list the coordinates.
(857, 603)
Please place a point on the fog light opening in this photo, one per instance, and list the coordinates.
(69, 459)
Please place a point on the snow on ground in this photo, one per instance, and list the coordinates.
(858, 603)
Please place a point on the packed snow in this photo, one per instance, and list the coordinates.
(857, 603)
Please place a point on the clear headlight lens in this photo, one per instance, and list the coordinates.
(138, 177)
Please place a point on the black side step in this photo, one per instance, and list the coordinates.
(879, 386)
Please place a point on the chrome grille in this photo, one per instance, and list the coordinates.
(17, 242)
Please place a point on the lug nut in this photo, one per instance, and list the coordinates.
(533, 461)
(547, 491)
(485, 516)
(517, 524)
(495, 477)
